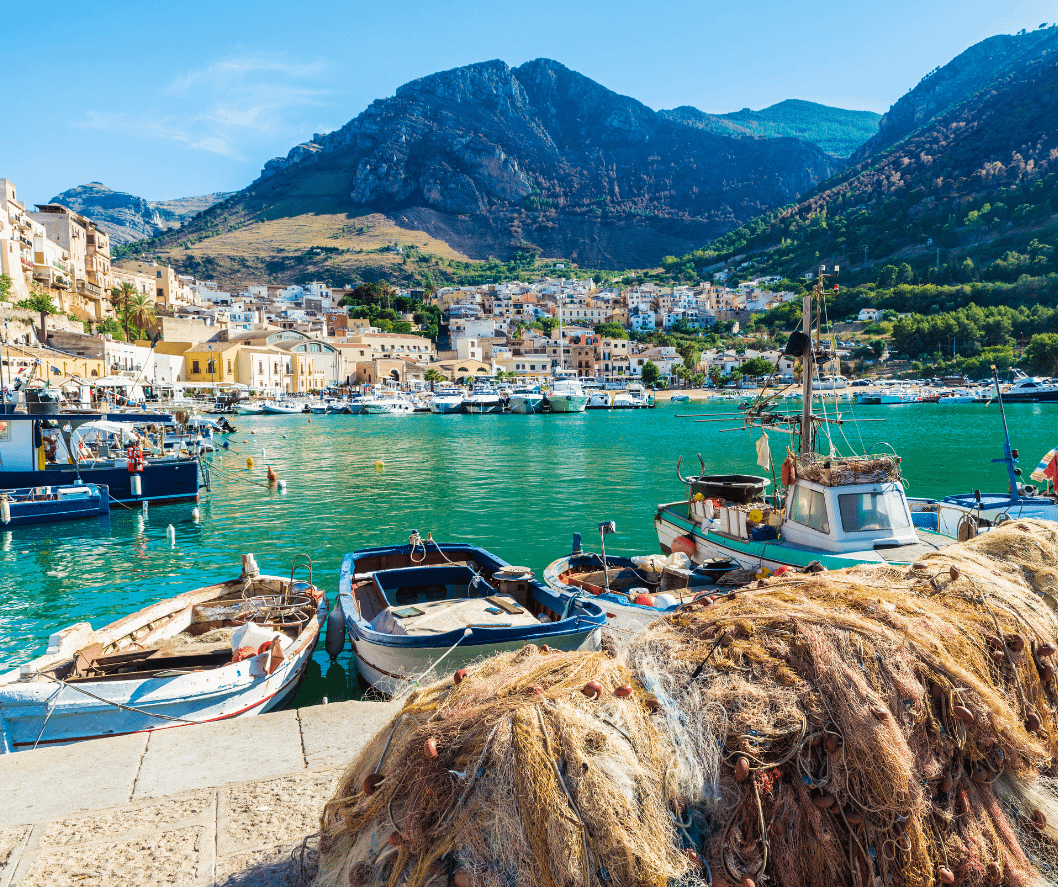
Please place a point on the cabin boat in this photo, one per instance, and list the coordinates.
(232, 649)
(599, 400)
(566, 394)
(388, 405)
(830, 383)
(249, 408)
(526, 399)
(42, 505)
(69, 449)
(483, 399)
(409, 609)
(447, 399)
(283, 407)
(1027, 389)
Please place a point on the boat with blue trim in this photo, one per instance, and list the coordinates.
(45, 505)
(409, 609)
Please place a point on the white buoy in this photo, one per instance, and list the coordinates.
(170, 531)
(144, 504)
(324, 700)
(264, 452)
(194, 514)
(281, 485)
(136, 485)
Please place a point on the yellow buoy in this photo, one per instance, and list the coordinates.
(756, 515)
(379, 464)
(249, 461)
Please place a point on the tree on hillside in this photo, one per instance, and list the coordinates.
(757, 366)
(690, 352)
(548, 324)
(904, 274)
(651, 374)
(611, 331)
(1042, 354)
(375, 293)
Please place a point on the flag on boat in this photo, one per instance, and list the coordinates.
(1048, 468)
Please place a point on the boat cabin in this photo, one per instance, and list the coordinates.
(846, 518)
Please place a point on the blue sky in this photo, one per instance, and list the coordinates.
(177, 99)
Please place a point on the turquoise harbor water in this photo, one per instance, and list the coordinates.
(517, 485)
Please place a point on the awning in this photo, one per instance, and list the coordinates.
(104, 426)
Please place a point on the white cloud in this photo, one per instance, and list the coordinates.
(231, 107)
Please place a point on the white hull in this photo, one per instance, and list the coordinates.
(388, 409)
(568, 403)
(446, 406)
(248, 409)
(281, 410)
(386, 668)
(482, 408)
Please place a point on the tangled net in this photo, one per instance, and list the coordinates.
(843, 470)
(871, 726)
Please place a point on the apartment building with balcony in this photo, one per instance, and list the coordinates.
(89, 293)
(16, 242)
(172, 291)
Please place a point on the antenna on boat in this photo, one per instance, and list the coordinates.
(605, 528)
(1010, 456)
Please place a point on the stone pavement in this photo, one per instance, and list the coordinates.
(227, 803)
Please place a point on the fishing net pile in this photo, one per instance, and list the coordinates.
(873, 726)
(839, 471)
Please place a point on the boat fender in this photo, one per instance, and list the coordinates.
(249, 461)
(335, 641)
(683, 544)
(5, 510)
(136, 485)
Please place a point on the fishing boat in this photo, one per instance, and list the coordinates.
(231, 649)
(679, 398)
(526, 399)
(833, 512)
(447, 399)
(42, 505)
(69, 449)
(483, 399)
(249, 408)
(410, 609)
(644, 584)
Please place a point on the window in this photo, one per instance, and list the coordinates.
(194, 367)
(863, 512)
(211, 366)
(808, 507)
(229, 366)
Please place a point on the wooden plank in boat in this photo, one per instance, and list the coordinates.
(86, 657)
(507, 606)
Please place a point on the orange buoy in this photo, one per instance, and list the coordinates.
(946, 783)
(684, 544)
(429, 748)
(371, 783)
(592, 689)
(652, 703)
(272, 476)
(623, 690)
(963, 714)
(1039, 819)
(644, 600)
(742, 770)
(945, 875)
(1045, 649)
(459, 676)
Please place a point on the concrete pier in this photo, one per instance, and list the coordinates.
(221, 803)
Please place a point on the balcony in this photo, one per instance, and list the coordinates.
(89, 289)
(51, 277)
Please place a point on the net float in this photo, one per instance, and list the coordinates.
(854, 817)
(536, 689)
(623, 690)
(945, 875)
(777, 829)
(953, 571)
(459, 676)
(1016, 642)
(1047, 672)
(999, 656)
(1033, 722)
(993, 642)
(652, 703)
(748, 882)
(742, 770)
(1039, 819)
(880, 713)
(994, 873)
(396, 839)
(1045, 649)
(935, 692)
(592, 689)
(544, 648)
(979, 775)
(467, 878)
(946, 783)
(692, 856)
(833, 743)
(429, 748)
(963, 714)
(371, 783)
(360, 875)
(823, 800)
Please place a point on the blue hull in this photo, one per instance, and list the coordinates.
(175, 480)
(49, 511)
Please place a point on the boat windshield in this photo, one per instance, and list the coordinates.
(863, 512)
(809, 507)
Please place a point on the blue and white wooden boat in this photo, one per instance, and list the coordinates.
(44, 505)
(232, 649)
(409, 609)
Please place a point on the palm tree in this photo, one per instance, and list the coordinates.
(120, 297)
(432, 376)
(139, 310)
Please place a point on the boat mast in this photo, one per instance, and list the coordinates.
(807, 354)
(1009, 457)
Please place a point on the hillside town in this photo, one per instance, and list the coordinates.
(276, 338)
